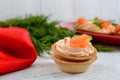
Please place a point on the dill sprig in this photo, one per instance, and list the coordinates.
(104, 48)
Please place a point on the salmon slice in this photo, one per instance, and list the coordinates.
(81, 21)
(79, 41)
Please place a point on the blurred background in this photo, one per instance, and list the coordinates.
(62, 10)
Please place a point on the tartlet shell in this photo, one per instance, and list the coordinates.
(73, 67)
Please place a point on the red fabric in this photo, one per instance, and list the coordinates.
(16, 49)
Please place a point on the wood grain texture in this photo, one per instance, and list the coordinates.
(62, 10)
(107, 67)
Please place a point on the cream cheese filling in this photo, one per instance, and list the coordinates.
(63, 46)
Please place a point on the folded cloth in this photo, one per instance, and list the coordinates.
(16, 49)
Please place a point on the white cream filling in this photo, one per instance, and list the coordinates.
(63, 46)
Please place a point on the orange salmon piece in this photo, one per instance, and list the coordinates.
(81, 21)
(106, 25)
(77, 41)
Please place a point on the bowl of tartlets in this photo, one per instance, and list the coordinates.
(103, 32)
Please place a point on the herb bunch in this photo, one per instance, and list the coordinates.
(42, 31)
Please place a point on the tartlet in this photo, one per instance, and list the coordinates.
(76, 54)
(73, 67)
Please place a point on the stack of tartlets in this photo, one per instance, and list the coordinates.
(74, 55)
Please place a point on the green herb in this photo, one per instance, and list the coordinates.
(104, 48)
(43, 32)
(96, 22)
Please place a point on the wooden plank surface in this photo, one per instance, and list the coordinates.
(62, 10)
(107, 67)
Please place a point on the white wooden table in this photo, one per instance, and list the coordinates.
(107, 67)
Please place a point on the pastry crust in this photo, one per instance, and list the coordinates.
(73, 67)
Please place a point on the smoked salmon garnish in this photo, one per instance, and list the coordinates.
(81, 20)
(79, 41)
(106, 24)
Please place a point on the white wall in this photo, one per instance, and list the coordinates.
(14, 8)
(63, 10)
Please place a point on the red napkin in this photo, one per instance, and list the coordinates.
(16, 49)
